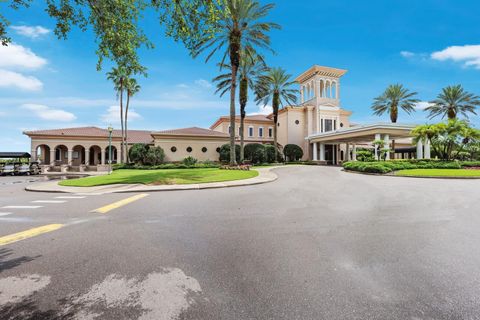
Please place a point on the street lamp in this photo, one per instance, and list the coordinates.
(110, 130)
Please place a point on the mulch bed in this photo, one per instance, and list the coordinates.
(237, 167)
(471, 168)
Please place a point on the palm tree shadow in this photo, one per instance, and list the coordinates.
(6, 263)
(28, 310)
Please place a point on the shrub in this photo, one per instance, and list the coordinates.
(394, 165)
(189, 161)
(255, 153)
(138, 152)
(270, 154)
(292, 152)
(365, 155)
(154, 156)
(225, 153)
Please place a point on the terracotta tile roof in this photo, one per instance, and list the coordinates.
(134, 136)
(192, 131)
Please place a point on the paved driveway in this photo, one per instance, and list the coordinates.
(317, 243)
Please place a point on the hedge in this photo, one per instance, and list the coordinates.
(394, 165)
(200, 165)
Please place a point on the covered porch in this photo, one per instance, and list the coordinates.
(341, 145)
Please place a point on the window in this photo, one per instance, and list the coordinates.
(57, 154)
(341, 124)
(189, 149)
(250, 131)
(239, 131)
(204, 149)
(173, 149)
(218, 149)
(297, 122)
(328, 125)
(270, 132)
(260, 132)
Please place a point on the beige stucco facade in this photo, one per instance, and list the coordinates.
(319, 125)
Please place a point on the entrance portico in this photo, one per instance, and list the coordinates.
(327, 147)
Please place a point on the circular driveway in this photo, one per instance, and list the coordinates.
(317, 243)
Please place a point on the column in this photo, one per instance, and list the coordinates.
(386, 145)
(419, 149)
(347, 153)
(337, 91)
(427, 149)
(315, 157)
(69, 157)
(33, 153)
(302, 100)
(354, 153)
(52, 156)
(87, 156)
(103, 155)
(322, 152)
(322, 128)
(377, 137)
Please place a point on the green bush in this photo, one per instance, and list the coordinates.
(225, 153)
(138, 152)
(395, 165)
(255, 153)
(292, 152)
(166, 166)
(154, 156)
(365, 155)
(189, 161)
(270, 154)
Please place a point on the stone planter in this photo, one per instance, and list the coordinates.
(64, 168)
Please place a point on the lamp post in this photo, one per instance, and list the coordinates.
(110, 129)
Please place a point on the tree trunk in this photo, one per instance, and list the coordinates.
(121, 120)
(234, 63)
(126, 128)
(243, 103)
(275, 105)
(451, 114)
(394, 113)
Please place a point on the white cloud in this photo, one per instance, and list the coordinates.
(113, 115)
(15, 79)
(407, 54)
(468, 54)
(33, 32)
(15, 55)
(203, 83)
(422, 105)
(265, 110)
(47, 113)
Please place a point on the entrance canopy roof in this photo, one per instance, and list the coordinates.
(364, 133)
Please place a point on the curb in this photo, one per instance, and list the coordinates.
(390, 174)
(265, 175)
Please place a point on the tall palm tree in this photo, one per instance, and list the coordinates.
(118, 76)
(453, 100)
(249, 72)
(132, 87)
(238, 30)
(275, 88)
(394, 97)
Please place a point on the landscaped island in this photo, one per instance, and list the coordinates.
(162, 177)
(420, 168)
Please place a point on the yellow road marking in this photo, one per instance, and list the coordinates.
(29, 233)
(120, 203)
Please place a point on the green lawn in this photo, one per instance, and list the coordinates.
(163, 176)
(438, 173)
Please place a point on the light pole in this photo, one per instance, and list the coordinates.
(110, 129)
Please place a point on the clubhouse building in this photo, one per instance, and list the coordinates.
(318, 125)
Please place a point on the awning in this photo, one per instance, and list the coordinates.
(14, 155)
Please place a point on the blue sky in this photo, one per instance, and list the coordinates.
(425, 45)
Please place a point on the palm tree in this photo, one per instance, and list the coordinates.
(132, 87)
(275, 87)
(118, 76)
(249, 72)
(453, 100)
(237, 31)
(394, 97)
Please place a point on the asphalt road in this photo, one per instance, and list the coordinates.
(317, 243)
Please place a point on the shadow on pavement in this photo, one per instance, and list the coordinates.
(6, 263)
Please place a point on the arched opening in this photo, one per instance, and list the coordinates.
(334, 90)
(78, 155)
(43, 154)
(61, 155)
(114, 155)
(95, 155)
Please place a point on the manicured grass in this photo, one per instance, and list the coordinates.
(438, 173)
(163, 176)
